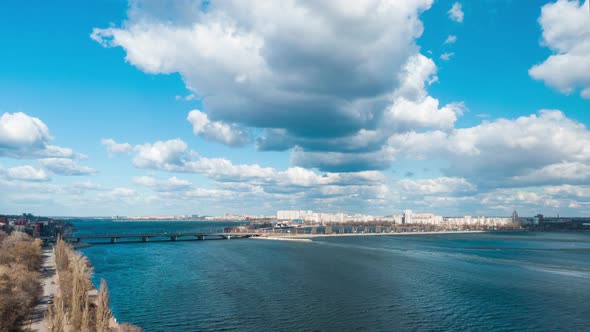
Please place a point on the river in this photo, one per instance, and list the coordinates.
(450, 282)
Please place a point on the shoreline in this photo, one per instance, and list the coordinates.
(278, 238)
(309, 237)
(51, 290)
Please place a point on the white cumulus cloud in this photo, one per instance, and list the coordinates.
(168, 155)
(249, 64)
(170, 184)
(24, 136)
(456, 12)
(175, 156)
(566, 32)
(410, 108)
(64, 166)
(116, 148)
(547, 148)
(27, 173)
(218, 131)
(436, 186)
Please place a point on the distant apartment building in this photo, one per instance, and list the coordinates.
(476, 221)
(328, 217)
(320, 217)
(407, 218)
(426, 219)
(362, 218)
(294, 214)
(397, 219)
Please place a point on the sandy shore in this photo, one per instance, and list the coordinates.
(49, 282)
(308, 237)
(282, 238)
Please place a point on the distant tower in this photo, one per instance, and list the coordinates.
(514, 216)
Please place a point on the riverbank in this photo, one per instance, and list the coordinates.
(79, 305)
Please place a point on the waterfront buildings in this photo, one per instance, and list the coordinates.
(407, 217)
(476, 221)
(30, 224)
(426, 219)
(294, 214)
(319, 217)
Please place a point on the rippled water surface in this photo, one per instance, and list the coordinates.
(493, 282)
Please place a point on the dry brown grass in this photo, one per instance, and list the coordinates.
(20, 281)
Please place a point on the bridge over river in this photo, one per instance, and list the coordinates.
(147, 237)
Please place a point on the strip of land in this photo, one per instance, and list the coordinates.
(282, 238)
(308, 237)
(49, 282)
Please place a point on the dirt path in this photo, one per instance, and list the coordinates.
(49, 288)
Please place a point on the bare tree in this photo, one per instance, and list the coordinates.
(80, 286)
(87, 321)
(20, 285)
(59, 312)
(21, 249)
(103, 311)
(72, 304)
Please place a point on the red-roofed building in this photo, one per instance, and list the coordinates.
(20, 225)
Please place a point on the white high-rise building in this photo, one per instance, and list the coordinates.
(407, 217)
(294, 214)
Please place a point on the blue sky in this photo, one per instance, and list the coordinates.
(468, 107)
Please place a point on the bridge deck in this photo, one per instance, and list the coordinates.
(108, 236)
(146, 237)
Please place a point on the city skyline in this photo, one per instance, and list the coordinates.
(184, 107)
(343, 216)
